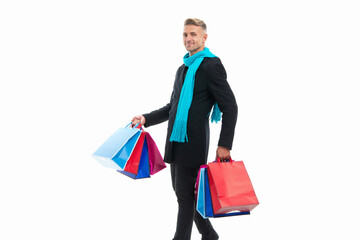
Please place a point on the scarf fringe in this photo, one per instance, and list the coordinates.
(179, 133)
(216, 114)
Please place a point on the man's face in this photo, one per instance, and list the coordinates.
(194, 38)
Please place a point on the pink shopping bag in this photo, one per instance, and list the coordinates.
(155, 159)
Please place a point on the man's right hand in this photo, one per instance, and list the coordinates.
(138, 119)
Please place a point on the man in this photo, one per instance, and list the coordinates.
(200, 85)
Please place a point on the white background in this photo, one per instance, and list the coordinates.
(73, 72)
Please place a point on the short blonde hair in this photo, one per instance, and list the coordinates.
(196, 22)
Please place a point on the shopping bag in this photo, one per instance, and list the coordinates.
(145, 159)
(143, 167)
(200, 188)
(203, 200)
(116, 150)
(198, 180)
(132, 165)
(208, 202)
(155, 159)
(230, 187)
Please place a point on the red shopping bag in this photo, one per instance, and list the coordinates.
(132, 165)
(230, 187)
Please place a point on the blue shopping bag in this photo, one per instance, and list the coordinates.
(144, 166)
(204, 204)
(116, 150)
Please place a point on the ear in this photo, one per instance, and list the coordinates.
(205, 37)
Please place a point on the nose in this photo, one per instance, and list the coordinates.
(188, 39)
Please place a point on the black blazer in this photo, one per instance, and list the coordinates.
(210, 86)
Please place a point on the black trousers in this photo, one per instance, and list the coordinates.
(183, 182)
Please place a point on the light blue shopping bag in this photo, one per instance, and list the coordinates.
(116, 150)
(200, 201)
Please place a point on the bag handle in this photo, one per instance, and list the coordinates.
(228, 160)
(134, 126)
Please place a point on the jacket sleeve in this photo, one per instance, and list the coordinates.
(223, 95)
(158, 116)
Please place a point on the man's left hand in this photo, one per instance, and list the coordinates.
(223, 153)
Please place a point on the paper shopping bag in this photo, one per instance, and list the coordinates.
(155, 159)
(198, 180)
(132, 165)
(203, 199)
(230, 187)
(143, 170)
(208, 202)
(200, 199)
(116, 150)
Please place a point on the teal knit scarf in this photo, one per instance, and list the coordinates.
(179, 129)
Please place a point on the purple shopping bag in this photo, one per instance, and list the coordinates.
(155, 159)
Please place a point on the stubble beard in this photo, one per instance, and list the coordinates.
(193, 50)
